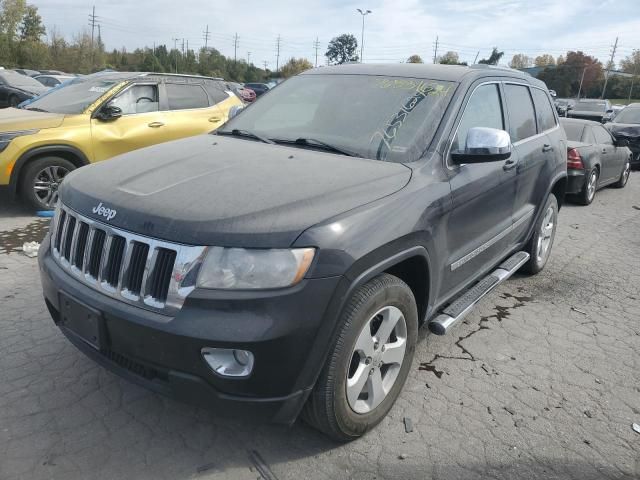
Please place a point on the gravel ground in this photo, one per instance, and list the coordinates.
(541, 381)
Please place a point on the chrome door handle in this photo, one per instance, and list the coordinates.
(547, 148)
(509, 164)
(155, 124)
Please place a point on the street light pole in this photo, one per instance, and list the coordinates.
(364, 13)
(581, 80)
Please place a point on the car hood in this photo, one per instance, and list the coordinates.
(32, 90)
(624, 129)
(213, 190)
(12, 119)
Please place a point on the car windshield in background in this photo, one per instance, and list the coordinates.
(20, 81)
(590, 106)
(382, 118)
(73, 97)
(573, 131)
(628, 115)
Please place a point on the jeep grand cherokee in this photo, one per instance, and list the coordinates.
(285, 262)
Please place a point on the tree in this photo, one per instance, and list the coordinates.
(32, 27)
(494, 58)
(560, 60)
(565, 77)
(449, 58)
(520, 60)
(415, 59)
(545, 60)
(342, 49)
(295, 66)
(631, 63)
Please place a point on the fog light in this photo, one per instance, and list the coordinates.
(229, 362)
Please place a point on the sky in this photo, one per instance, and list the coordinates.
(393, 31)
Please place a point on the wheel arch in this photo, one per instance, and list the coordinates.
(68, 152)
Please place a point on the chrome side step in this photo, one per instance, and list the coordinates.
(459, 309)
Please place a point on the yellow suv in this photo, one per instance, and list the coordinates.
(96, 117)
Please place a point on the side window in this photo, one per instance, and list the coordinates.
(137, 99)
(217, 91)
(544, 112)
(483, 109)
(602, 136)
(183, 96)
(521, 115)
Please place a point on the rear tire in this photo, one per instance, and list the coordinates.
(40, 180)
(624, 176)
(539, 246)
(357, 387)
(588, 192)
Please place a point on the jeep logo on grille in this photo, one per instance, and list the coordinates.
(107, 213)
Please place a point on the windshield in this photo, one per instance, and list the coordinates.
(382, 118)
(75, 96)
(17, 80)
(628, 115)
(591, 106)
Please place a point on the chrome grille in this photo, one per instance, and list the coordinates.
(135, 269)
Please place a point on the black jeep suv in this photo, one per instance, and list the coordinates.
(286, 261)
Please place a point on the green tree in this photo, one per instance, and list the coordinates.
(32, 27)
(565, 77)
(11, 14)
(494, 58)
(295, 66)
(546, 60)
(450, 58)
(342, 49)
(415, 59)
(631, 63)
(520, 60)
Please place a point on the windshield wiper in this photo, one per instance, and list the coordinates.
(315, 143)
(36, 109)
(244, 133)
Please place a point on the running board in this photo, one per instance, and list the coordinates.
(459, 309)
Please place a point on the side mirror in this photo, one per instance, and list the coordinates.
(109, 112)
(484, 145)
(235, 110)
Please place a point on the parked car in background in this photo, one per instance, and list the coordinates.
(53, 80)
(52, 72)
(96, 117)
(590, 109)
(595, 159)
(27, 72)
(626, 125)
(285, 264)
(258, 88)
(245, 94)
(563, 105)
(16, 88)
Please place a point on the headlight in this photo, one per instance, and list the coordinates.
(245, 269)
(6, 137)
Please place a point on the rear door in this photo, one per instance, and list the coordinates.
(529, 129)
(482, 196)
(611, 157)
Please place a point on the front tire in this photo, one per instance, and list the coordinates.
(539, 246)
(369, 361)
(41, 179)
(624, 176)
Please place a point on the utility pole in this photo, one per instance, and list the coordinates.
(265, 63)
(92, 22)
(635, 72)
(316, 45)
(476, 59)
(606, 79)
(435, 51)
(248, 58)
(175, 49)
(278, 40)
(235, 47)
(206, 37)
(364, 13)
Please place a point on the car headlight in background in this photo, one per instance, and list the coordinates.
(249, 269)
(6, 137)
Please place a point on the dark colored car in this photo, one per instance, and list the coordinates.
(245, 94)
(16, 88)
(626, 125)
(590, 109)
(258, 88)
(285, 263)
(595, 159)
(563, 105)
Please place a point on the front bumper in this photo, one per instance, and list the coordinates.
(281, 328)
(575, 181)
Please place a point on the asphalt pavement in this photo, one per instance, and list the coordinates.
(542, 380)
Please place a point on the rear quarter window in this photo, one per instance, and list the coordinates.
(186, 96)
(522, 119)
(544, 112)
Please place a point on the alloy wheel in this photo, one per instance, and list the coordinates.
(376, 359)
(591, 186)
(46, 183)
(545, 236)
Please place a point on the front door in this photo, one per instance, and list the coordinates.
(483, 194)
